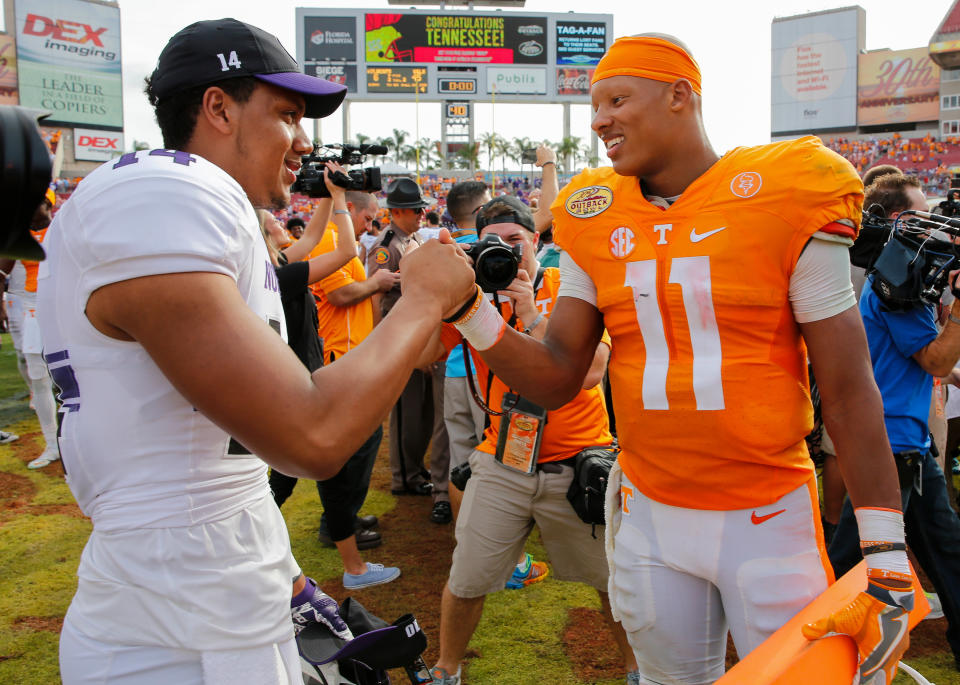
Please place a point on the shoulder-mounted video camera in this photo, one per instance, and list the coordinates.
(495, 263)
(25, 169)
(910, 257)
(310, 179)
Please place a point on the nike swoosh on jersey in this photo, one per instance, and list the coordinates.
(697, 237)
(757, 520)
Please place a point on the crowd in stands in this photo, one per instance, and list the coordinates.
(928, 159)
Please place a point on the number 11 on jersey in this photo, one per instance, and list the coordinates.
(692, 274)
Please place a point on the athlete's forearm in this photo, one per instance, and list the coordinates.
(853, 409)
(551, 371)
(372, 376)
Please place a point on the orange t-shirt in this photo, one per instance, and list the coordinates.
(708, 367)
(342, 328)
(581, 423)
(30, 284)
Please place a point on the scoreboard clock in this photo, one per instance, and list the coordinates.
(457, 85)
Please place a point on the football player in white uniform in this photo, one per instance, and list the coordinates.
(163, 329)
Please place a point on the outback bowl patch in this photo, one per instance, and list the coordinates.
(381, 256)
(589, 201)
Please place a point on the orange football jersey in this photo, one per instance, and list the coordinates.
(342, 328)
(31, 268)
(707, 366)
(581, 423)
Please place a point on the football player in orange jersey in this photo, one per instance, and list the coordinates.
(715, 277)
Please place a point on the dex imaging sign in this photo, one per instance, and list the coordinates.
(96, 146)
(69, 61)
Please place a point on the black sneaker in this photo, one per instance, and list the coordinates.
(442, 513)
(366, 539)
(369, 521)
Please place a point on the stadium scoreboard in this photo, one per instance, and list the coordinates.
(453, 55)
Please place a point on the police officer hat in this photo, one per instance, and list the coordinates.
(403, 193)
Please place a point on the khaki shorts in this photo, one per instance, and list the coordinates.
(499, 509)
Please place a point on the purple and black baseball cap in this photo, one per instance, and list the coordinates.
(210, 51)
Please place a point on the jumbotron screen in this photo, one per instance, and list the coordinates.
(431, 55)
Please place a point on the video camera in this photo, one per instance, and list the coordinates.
(25, 169)
(310, 179)
(495, 264)
(910, 257)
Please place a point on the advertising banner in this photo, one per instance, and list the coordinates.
(344, 74)
(897, 86)
(68, 61)
(814, 71)
(96, 146)
(451, 39)
(8, 71)
(330, 39)
(573, 81)
(581, 42)
(511, 81)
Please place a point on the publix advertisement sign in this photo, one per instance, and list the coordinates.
(515, 81)
(68, 61)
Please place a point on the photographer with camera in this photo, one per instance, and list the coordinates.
(907, 351)
(521, 472)
(417, 418)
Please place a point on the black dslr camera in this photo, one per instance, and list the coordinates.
(310, 179)
(495, 263)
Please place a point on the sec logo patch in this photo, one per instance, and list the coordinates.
(588, 202)
(381, 256)
(622, 242)
(746, 184)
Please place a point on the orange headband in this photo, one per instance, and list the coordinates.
(648, 57)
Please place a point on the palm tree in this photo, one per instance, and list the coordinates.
(427, 150)
(490, 141)
(586, 154)
(362, 139)
(505, 150)
(567, 150)
(519, 145)
(399, 138)
(468, 156)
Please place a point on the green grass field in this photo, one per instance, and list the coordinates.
(551, 632)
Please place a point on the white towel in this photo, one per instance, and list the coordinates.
(611, 515)
(265, 665)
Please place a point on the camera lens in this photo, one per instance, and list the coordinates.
(498, 267)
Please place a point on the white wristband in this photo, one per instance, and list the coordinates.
(879, 526)
(484, 328)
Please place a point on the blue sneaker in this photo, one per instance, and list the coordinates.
(376, 574)
(527, 573)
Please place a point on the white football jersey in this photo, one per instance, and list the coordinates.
(136, 453)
